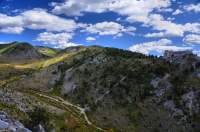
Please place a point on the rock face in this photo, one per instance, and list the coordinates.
(3, 125)
(6, 125)
(38, 128)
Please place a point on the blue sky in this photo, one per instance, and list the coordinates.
(146, 26)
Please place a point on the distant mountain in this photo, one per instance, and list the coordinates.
(19, 53)
(47, 51)
(101, 89)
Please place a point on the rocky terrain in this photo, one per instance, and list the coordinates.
(99, 89)
(12, 126)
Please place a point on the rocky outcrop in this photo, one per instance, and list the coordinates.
(8, 125)
(38, 128)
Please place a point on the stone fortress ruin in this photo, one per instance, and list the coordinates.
(171, 53)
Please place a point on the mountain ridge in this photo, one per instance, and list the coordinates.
(119, 90)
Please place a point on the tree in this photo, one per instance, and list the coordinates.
(39, 115)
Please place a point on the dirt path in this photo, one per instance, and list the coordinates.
(82, 110)
(190, 97)
(109, 90)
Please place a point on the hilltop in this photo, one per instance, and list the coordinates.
(96, 88)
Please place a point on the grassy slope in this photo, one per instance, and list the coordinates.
(5, 47)
(49, 52)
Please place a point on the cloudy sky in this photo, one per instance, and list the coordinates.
(146, 26)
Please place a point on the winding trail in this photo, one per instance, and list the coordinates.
(107, 92)
(62, 101)
(190, 97)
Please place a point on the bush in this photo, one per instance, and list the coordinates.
(39, 115)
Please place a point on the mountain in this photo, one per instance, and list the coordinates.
(19, 53)
(46, 51)
(100, 89)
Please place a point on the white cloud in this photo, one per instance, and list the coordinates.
(168, 28)
(75, 7)
(170, 19)
(1, 42)
(136, 10)
(137, 18)
(9, 21)
(118, 35)
(53, 4)
(38, 19)
(175, 33)
(192, 38)
(104, 28)
(90, 39)
(118, 19)
(76, 18)
(129, 29)
(191, 27)
(69, 44)
(158, 46)
(165, 10)
(16, 10)
(82, 25)
(15, 30)
(108, 28)
(59, 39)
(192, 7)
(177, 12)
(197, 52)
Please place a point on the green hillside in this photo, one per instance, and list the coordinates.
(104, 89)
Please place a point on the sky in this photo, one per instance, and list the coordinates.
(145, 26)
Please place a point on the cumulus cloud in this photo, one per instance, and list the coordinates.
(135, 10)
(177, 12)
(192, 7)
(90, 39)
(170, 19)
(165, 10)
(158, 46)
(118, 19)
(137, 18)
(118, 35)
(108, 28)
(104, 28)
(75, 7)
(192, 38)
(10, 21)
(59, 39)
(38, 19)
(175, 33)
(168, 28)
(15, 30)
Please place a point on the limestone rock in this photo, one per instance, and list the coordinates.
(38, 128)
(3, 125)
